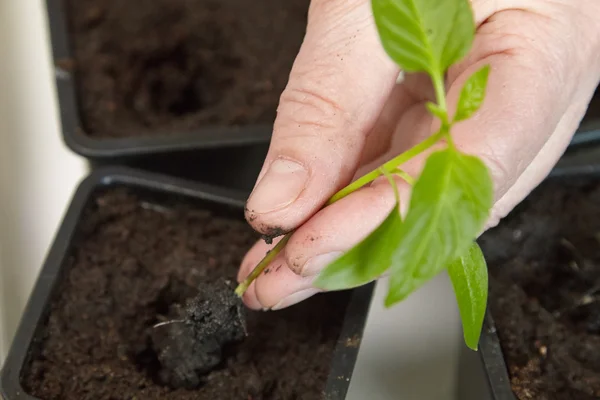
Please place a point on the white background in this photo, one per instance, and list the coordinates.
(409, 352)
(37, 173)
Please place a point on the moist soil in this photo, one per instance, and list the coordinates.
(138, 263)
(544, 263)
(148, 67)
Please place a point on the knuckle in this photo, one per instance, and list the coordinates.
(498, 213)
(584, 33)
(333, 9)
(558, 43)
(307, 105)
(311, 119)
(295, 253)
(296, 265)
(534, 40)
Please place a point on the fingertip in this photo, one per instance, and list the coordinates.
(295, 298)
(250, 299)
(340, 226)
(278, 187)
(256, 253)
(316, 264)
(279, 282)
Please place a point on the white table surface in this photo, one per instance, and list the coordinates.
(409, 352)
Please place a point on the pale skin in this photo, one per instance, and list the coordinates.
(343, 114)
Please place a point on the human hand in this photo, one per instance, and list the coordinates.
(342, 114)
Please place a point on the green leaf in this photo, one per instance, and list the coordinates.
(425, 35)
(472, 94)
(470, 281)
(366, 261)
(449, 205)
(369, 259)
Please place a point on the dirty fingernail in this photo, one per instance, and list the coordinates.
(279, 187)
(315, 264)
(295, 298)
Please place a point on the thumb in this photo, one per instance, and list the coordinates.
(338, 85)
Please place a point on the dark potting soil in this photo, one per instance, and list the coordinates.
(147, 67)
(544, 263)
(133, 264)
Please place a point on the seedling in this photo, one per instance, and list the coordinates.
(453, 195)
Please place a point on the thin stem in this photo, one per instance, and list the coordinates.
(404, 175)
(270, 256)
(389, 166)
(392, 183)
(440, 93)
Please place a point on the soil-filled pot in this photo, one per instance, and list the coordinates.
(143, 77)
(135, 301)
(542, 332)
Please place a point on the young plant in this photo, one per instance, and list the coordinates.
(452, 196)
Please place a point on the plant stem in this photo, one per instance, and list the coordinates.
(390, 167)
(440, 94)
(404, 175)
(270, 256)
(392, 184)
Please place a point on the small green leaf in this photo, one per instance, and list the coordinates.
(449, 205)
(425, 35)
(435, 110)
(472, 94)
(469, 278)
(366, 261)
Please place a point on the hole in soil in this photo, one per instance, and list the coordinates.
(174, 293)
(147, 361)
(586, 316)
(141, 350)
(188, 102)
(171, 84)
(155, 66)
